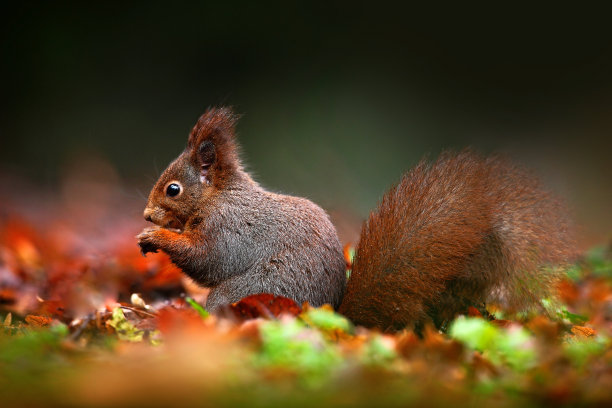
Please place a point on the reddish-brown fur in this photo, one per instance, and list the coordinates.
(458, 232)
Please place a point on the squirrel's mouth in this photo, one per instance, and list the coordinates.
(173, 224)
(164, 219)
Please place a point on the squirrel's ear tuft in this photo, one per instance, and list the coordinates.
(216, 125)
(212, 145)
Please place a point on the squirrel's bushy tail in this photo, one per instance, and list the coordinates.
(461, 231)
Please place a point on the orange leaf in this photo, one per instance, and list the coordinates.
(170, 319)
(568, 291)
(348, 248)
(582, 331)
(407, 343)
(38, 321)
(51, 308)
(437, 343)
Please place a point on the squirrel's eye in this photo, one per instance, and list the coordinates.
(173, 190)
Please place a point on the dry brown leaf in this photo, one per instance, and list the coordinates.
(502, 323)
(8, 320)
(541, 326)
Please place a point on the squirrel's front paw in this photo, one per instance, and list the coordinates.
(146, 240)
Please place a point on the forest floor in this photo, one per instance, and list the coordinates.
(85, 320)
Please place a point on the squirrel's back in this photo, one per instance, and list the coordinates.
(284, 245)
(458, 232)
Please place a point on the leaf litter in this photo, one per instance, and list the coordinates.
(85, 320)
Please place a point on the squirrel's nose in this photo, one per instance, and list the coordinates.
(147, 214)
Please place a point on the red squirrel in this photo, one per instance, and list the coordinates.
(458, 232)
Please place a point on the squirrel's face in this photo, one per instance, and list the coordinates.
(207, 165)
(176, 194)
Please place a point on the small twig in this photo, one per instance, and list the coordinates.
(137, 311)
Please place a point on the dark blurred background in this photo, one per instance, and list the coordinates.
(338, 100)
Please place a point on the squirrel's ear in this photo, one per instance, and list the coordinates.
(206, 157)
(211, 142)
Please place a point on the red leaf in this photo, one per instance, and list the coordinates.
(54, 308)
(264, 305)
(7, 296)
(170, 319)
(156, 267)
(473, 312)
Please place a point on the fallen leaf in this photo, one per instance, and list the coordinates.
(38, 321)
(582, 331)
(8, 320)
(473, 312)
(264, 305)
(349, 254)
